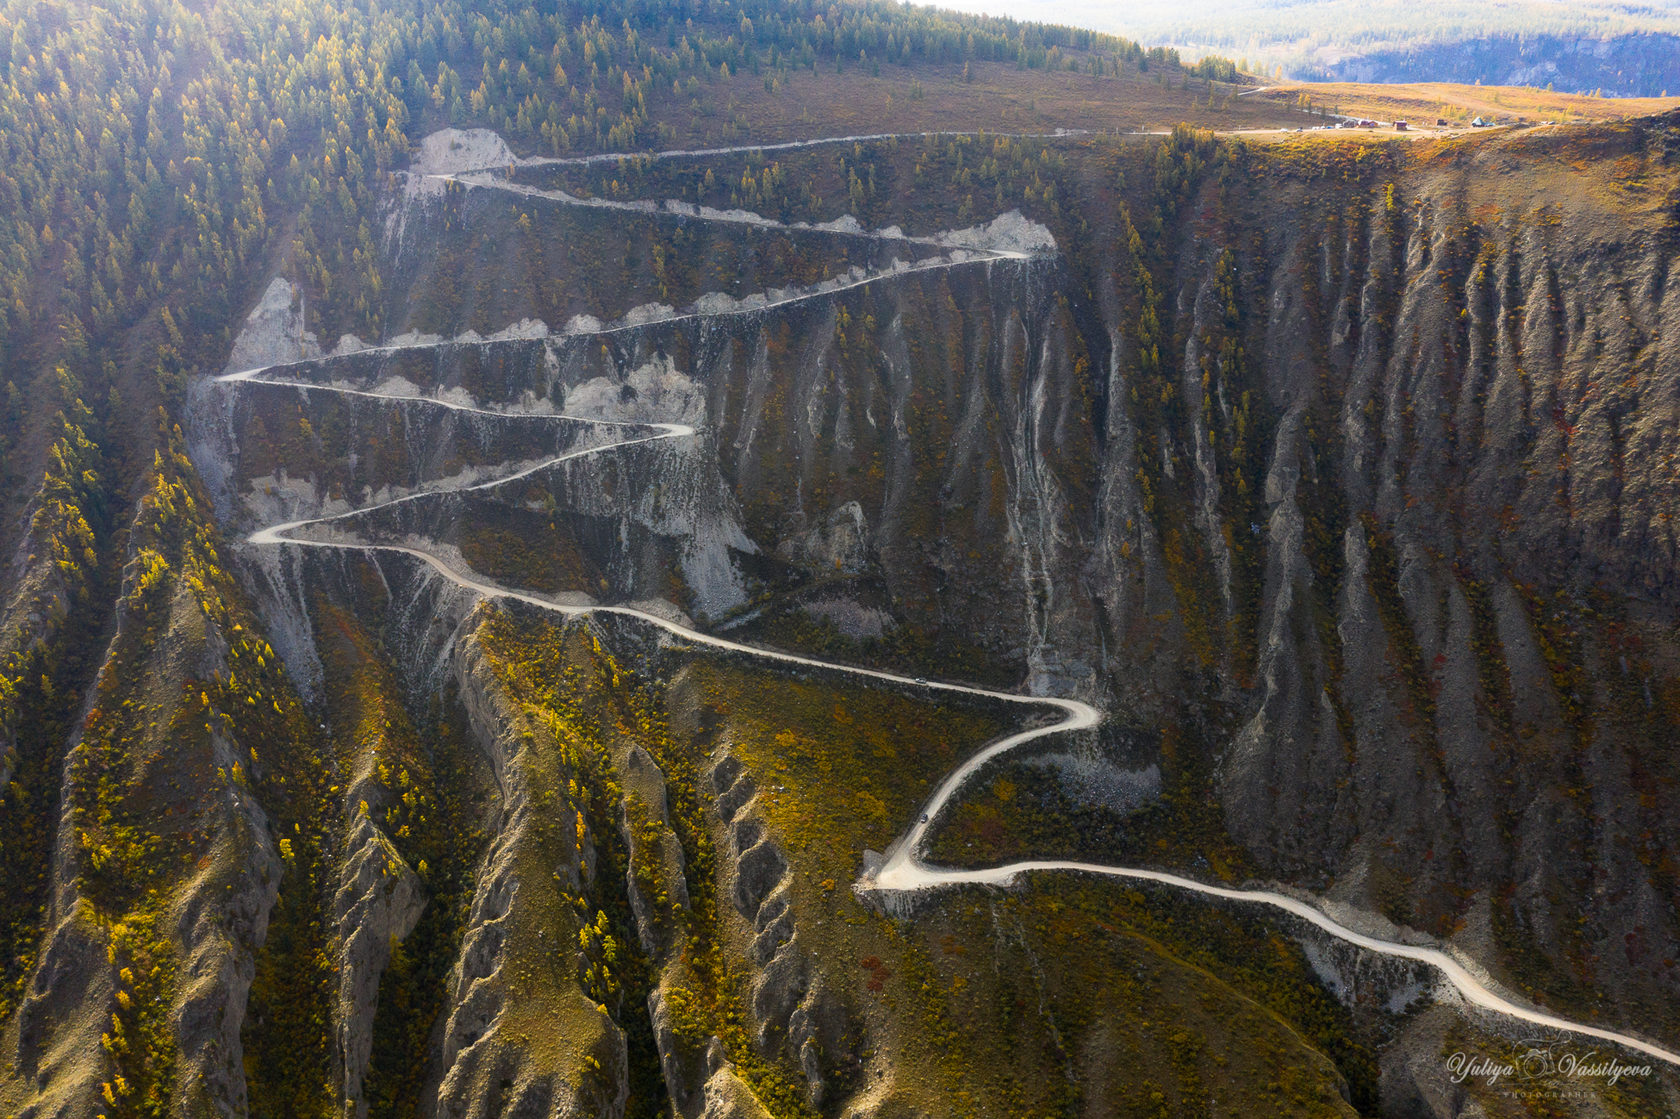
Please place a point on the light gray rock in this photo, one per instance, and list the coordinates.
(378, 903)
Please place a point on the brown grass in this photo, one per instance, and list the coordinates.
(999, 98)
(1422, 103)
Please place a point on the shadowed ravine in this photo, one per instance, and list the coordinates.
(903, 871)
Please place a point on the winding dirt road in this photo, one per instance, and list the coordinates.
(785, 145)
(903, 870)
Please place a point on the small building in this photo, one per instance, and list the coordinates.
(1400, 126)
(1442, 122)
(1480, 122)
(1367, 124)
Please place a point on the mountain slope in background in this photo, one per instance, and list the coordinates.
(1604, 46)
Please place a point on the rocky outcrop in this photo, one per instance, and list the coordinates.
(796, 1017)
(725, 1094)
(839, 543)
(55, 1065)
(661, 889)
(221, 920)
(497, 1059)
(201, 923)
(377, 904)
(274, 331)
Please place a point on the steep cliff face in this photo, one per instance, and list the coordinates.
(1465, 393)
(1355, 465)
(163, 871)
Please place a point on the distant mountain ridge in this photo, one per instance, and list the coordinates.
(1619, 49)
(1645, 65)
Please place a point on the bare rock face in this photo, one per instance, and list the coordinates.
(461, 149)
(1428, 673)
(379, 899)
(728, 1097)
(222, 919)
(52, 1043)
(273, 331)
(839, 544)
(684, 1074)
(662, 852)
